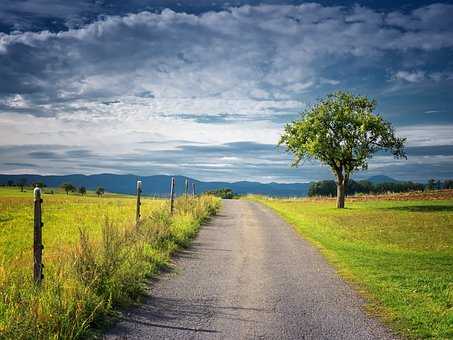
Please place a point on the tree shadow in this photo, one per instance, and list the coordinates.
(422, 208)
(182, 314)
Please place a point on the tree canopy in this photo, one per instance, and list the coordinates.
(68, 187)
(100, 191)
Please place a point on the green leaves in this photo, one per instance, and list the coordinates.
(342, 132)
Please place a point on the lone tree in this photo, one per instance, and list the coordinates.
(342, 132)
(68, 187)
(82, 190)
(100, 191)
(22, 184)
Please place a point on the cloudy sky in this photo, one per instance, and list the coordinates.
(203, 88)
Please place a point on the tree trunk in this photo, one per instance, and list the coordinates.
(341, 189)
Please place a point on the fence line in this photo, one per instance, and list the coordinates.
(38, 266)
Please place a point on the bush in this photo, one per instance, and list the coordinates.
(222, 193)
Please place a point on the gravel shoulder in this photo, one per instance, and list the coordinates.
(248, 275)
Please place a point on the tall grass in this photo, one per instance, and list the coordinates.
(97, 275)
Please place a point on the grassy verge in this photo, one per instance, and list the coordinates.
(399, 254)
(95, 263)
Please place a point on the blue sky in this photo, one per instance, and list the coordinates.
(203, 88)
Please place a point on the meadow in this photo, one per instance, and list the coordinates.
(96, 260)
(396, 250)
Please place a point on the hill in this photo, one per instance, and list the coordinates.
(381, 179)
(159, 185)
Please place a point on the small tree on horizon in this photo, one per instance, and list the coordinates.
(68, 187)
(22, 184)
(341, 131)
(431, 185)
(39, 185)
(82, 190)
(100, 191)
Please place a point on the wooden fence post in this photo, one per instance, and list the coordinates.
(172, 195)
(193, 189)
(186, 187)
(37, 238)
(139, 203)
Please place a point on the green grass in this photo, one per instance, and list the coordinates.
(63, 215)
(95, 259)
(398, 254)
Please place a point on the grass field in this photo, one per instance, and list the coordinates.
(95, 259)
(397, 252)
(63, 215)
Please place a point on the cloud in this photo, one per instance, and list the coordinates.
(229, 161)
(44, 155)
(427, 135)
(422, 76)
(240, 53)
(432, 150)
(411, 77)
(434, 18)
(213, 80)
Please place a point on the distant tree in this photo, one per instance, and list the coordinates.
(100, 191)
(68, 187)
(22, 184)
(10, 183)
(328, 188)
(431, 184)
(366, 187)
(39, 185)
(342, 132)
(438, 185)
(222, 193)
(322, 188)
(448, 184)
(82, 190)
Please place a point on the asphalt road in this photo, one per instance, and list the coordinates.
(249, 275)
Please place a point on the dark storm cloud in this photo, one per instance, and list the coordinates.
(20, 165)
(57, 15)
(226, 118)
(44, 155)
(80, 153)
(230, 161)
(432, 150)
(237, 148)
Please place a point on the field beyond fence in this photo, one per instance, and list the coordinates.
(397, 250)
(95, 257)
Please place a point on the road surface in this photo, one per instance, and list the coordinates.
(249, 275)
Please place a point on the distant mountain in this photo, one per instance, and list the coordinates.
(382, 179)
(160, 185)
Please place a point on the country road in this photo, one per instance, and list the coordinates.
(249, 275)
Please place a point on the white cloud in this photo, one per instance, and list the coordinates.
(424, 135)
(418, 76)
(411, 77)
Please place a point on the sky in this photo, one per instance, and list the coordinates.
(204, 88)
